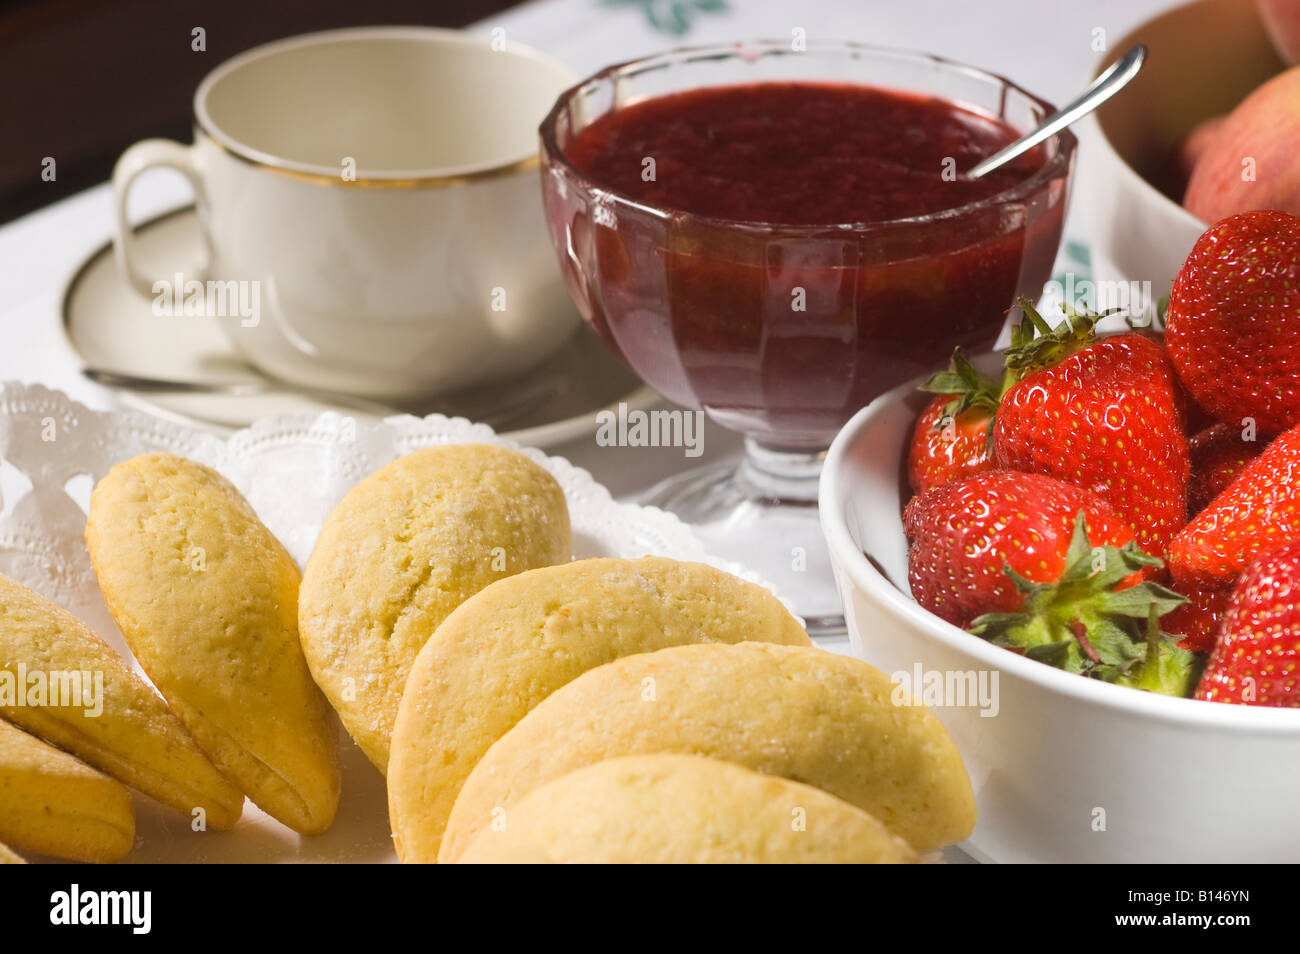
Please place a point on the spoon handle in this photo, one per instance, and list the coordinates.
(147, 385)
(133, 382)
(1111, 81)
(495, 413)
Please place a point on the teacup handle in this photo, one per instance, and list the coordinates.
(140, 157)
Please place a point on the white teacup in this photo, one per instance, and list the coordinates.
(373, 222)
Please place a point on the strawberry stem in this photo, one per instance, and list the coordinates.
(1034, 344)
(1166, 668)
(1038, 345)
(970, 389)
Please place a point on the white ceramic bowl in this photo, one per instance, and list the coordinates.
(1205, 57)
(1067, 769)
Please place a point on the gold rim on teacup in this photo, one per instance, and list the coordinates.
(211, 131)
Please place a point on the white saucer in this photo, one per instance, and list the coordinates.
(112, 327)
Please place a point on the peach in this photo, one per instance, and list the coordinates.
(1249, 161)
(1195, 145)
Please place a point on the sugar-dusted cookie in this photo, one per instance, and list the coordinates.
(208, 601)
(796, 712)
(507, 648)
(52, 803)
(404, 548)
(60, 681)
(685, 809)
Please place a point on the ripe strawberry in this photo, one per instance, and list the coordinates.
(1197, 621)
(1233, 323)
(951, 437)
(1011, 556)
(1257, 659)
(966, 532)
(1101, 413)
(1218, 454)
(1258, 512)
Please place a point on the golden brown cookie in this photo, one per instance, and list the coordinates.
(92, 705)
(795, 712)
(684, 809)
(507, 648)
(208, 601)
(404, 548)
(54, 804)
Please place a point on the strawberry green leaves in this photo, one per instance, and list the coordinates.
(1090, 621)
(1035, 344)
(969, 388)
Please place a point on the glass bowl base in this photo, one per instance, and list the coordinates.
(766, 522)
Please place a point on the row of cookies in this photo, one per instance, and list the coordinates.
(788, 711)
(473, 664)
(773, 705)
(464, 655)
(208, 601)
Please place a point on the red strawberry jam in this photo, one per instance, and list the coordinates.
(754, 277)
(795, 153)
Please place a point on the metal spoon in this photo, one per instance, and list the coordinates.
(1111, 81)
(450, 405)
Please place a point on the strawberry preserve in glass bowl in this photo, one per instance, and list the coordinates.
(776, 237)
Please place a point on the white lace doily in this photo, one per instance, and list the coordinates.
(293, 470)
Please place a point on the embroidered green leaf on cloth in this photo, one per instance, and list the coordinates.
(674, 17)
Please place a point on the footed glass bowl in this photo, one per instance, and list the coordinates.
(704, 308)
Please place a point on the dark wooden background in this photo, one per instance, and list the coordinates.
(83, 79)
